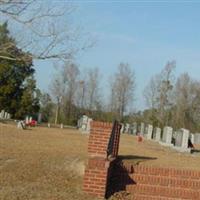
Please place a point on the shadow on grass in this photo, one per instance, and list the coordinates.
(195, 150)
(134, 159)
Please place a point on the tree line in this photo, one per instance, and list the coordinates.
(74, 93)
(173, 101)
(46, 33)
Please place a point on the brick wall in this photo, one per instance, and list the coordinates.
(150, 182)
(105, 175)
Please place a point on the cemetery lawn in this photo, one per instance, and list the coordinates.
(41, 164)
(48, 163)
(152, 153)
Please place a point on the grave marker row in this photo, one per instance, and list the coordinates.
(178, 140)
(5, 115)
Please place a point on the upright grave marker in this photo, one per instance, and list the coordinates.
(197, 138)
(182, 137)
(157, 134)
(167, 136)
(149, 131)
(142, 128)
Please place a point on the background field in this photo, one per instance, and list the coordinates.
(48, 163)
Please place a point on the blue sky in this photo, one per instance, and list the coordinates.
(144, 34)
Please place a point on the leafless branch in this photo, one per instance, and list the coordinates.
(46, 30)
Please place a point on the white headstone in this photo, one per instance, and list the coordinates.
(61, 126)
(8, 116)
(127, 126)
(49, 125)
(142, 129)
(85, 119)
(21, 125)
(5, 115)
(79, 123)
(167, 135)
(83, 127)
(135, 128)
(27, 120)
(2, 114)
(157, 134)
(88, 125)
(182, 137)
(30, 119)
(192, 137)
(149, 132)
(197, 138)
(122, 128)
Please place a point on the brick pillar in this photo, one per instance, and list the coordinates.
(99, 138)
(96, 173)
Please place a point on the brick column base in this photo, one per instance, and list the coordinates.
(96, 175)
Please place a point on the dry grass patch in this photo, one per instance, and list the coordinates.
(152, 153)
(41, 163)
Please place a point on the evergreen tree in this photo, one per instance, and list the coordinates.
(17, 85)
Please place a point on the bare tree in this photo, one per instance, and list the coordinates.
(93, 88)
(181, 94)
(187, 103)
(64, 87)
(158, 94)
(165, 90)
(45, 29)
(122, 89)
(151, 92)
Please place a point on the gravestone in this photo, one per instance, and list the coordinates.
(49, 125)
(2, 114)
(21, 125)
(88, 125)
(126, 128)
(167, 135)
(142, 129)
(79, 123)
(84, 124)
(157, 134)
(8, 116)
(149, 131)
(61, 126)
(174, 135)
(27, 120)
(192, 137)
(5, 115)
(122, 128)
(197, 138)
(181, 139)
(135, 128)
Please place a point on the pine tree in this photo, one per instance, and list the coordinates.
(14, 75)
